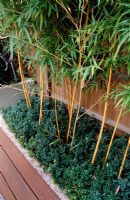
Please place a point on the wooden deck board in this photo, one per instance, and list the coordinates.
(14, 179)
(5, 190)
(31, 178)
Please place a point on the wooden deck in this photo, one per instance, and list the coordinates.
(18, 179)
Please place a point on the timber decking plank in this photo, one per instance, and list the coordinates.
(5, 190)
(14, 179)
(36, 183)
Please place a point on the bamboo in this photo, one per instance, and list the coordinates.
(81, 50)
(104, 118)
(117, 122)
(76, 119)
(41, 97)
(71, 112)
(28, 102)
(113, 135)
(124, 158)
(57, 123)
(24, 85)
(68, 94)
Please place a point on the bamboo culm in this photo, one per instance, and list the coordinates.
(104, 118)
(56, 115)
(124, 158)
(25, 90)
(24, 85)
(113, 135)
(81, 50)
(41, 97)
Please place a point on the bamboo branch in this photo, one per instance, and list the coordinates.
(72, 19)
(104, 119)
(124, 158)
(93, 105)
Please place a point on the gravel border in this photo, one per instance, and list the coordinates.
(35, 164)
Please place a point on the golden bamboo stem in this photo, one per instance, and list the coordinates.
(24, 85)
(57, 123)
(68, 94)
(81, 50)
(41, 97)
(76, 119)
(124, 158)
(73, 97)
(71, 112)
(116, 125)
(113, 135)
(104, 118)
(27, 98)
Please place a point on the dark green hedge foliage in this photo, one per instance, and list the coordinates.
(71, 167)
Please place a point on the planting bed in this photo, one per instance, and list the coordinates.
(69, 165)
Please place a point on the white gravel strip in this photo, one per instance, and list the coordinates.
(35, 164)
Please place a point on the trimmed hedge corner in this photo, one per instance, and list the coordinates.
(71, 166)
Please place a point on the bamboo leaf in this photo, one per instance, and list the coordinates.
(28, 35)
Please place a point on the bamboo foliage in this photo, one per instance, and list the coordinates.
(81, 42)
(124, 158)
